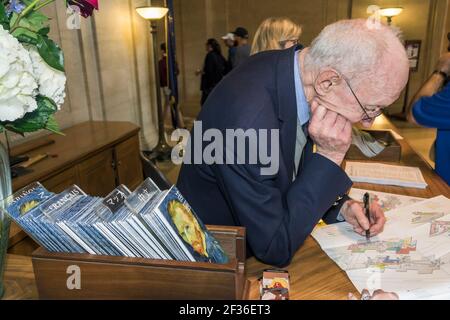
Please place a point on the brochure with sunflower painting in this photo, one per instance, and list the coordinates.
(193, 237)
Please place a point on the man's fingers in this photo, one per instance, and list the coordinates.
(330, 118)
(319, 113)
(378, 218)
(360, 216)
(314, 105)
(340, 123)
(359, 230)
(347, 130)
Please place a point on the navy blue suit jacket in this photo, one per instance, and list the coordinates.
(279, 214)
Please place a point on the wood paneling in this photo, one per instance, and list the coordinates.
(128, 163)
(62, 181)
(96, 175)
(79, 143)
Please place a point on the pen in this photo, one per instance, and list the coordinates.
(367, 212)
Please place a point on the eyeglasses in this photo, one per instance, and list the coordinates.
(369, 114)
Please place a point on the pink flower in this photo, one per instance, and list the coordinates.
(86, 6)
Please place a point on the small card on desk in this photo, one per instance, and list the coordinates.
(275, 285)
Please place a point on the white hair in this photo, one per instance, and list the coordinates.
(354, 49)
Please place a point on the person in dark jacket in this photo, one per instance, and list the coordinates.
(214, 68)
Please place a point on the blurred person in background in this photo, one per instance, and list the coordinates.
(214, 68)
(276, 34)
(243, 48)
(231, 44)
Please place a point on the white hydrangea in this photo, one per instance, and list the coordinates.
(52, 82)
(18, 86)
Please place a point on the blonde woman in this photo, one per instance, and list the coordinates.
(276, 34)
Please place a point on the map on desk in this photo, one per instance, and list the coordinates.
(411, 257)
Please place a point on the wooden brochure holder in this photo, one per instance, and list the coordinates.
(121, 278)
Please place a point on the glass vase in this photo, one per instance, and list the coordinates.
(5, 192)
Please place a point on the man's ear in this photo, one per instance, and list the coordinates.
(326, 81)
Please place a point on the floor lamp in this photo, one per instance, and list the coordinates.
(162, 151)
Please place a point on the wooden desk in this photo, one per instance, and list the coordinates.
(19, 279)
(97, 156)
(313, 275)
(316, 277)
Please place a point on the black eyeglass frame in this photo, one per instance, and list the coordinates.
(366, 112)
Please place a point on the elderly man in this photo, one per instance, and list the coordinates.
(312, 98)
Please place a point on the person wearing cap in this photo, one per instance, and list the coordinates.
(243, 48)
(230, 43)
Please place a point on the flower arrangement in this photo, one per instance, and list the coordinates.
(32, 76)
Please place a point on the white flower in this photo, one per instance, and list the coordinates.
(52, 82)
(17, 82)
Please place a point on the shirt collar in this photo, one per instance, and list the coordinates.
(303, 111)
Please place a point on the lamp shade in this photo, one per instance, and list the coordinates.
(391, 12)
(152, 13)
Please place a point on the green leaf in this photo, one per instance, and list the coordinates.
(50, 52)
(4, 20)
(44, 31)
(36, 120)
(13, 19)
(26, 36)
(53, 126)
(34, 21)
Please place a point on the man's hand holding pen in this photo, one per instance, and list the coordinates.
(354, 213)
